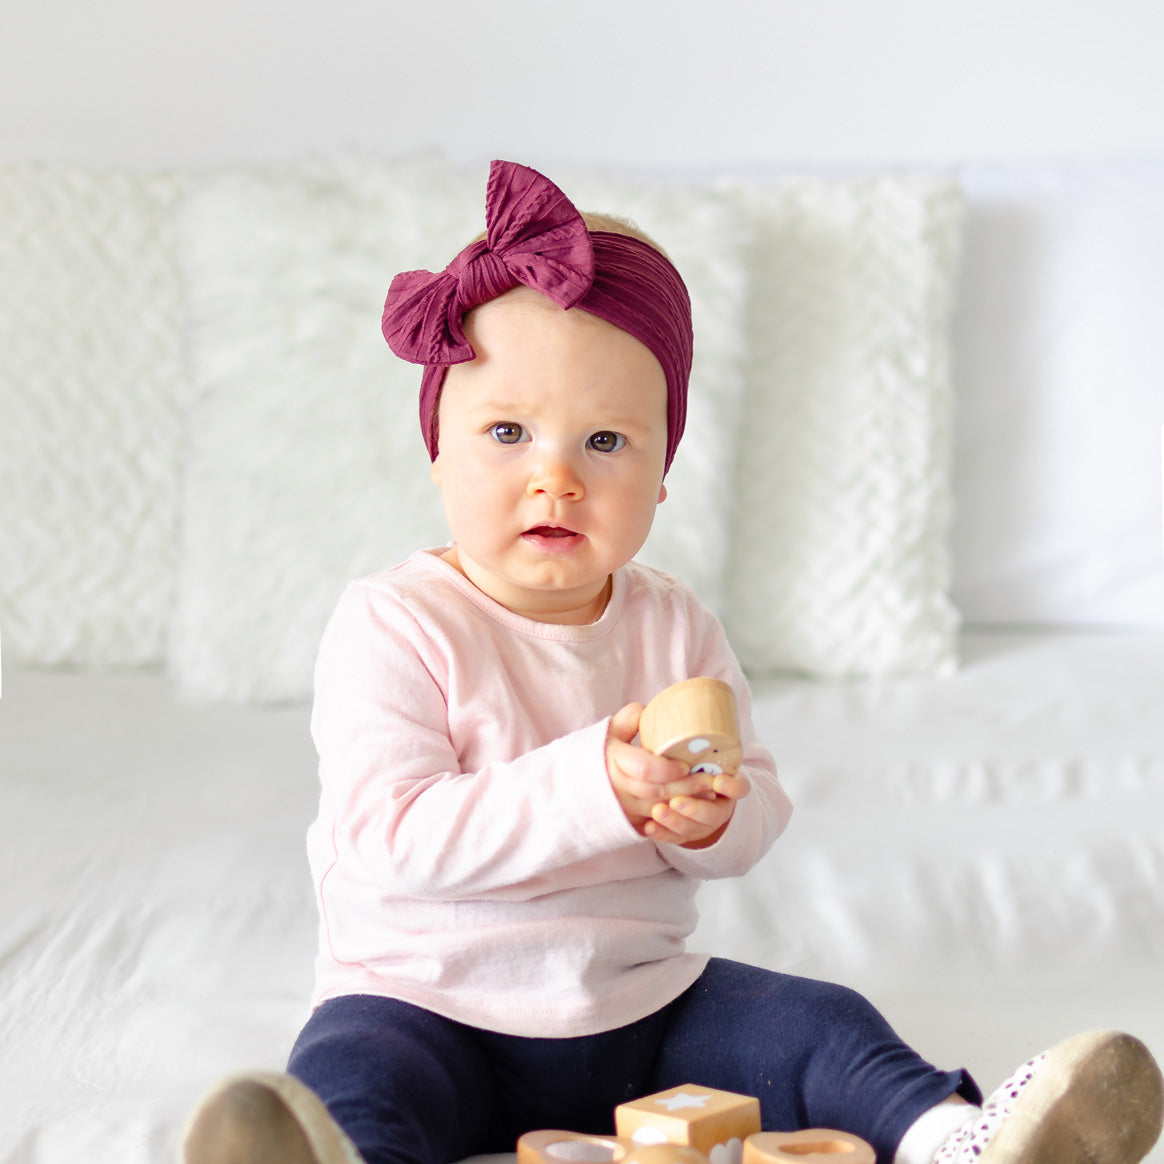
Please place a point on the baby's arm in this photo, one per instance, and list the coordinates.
(660, 799)
(421, 821)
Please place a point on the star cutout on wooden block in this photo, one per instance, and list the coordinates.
(681, 1100)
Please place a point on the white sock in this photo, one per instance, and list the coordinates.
(931, 1129)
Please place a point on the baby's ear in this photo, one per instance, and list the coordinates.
(434, 470)
(662, 493)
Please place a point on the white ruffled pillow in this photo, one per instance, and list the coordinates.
(92, 376)
(841, 562)
(306, 466)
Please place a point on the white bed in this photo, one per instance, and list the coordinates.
(982, 855)
(201, 442)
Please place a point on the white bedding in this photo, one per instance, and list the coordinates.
(983, 855)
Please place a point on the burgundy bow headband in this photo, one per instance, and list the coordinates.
(536, 238)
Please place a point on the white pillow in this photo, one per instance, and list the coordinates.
(306, 464)
(1061, 395)
(704, 234)
(91, 376)
(841, 565)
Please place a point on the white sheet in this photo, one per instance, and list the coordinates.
(156, 927)
(982, 855)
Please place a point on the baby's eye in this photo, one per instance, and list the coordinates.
(607, 442)
(507, 433)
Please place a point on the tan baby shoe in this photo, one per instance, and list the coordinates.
(1097, 1098)
(264, 1118)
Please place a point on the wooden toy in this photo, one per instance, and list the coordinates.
(715, 1123)
(812, 1146)
(695, 721)
(555, 1147)
(693, 1125)
(666, 1154)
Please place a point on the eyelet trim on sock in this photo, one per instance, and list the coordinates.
(970, 1140)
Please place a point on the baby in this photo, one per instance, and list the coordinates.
(505, 878)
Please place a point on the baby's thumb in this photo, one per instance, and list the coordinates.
(624, 724)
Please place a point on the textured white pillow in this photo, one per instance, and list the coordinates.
(841, 564)
(91, 375)
(306, 465)
(704, 234)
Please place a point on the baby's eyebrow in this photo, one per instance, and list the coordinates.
(498, 407)
(626, 425)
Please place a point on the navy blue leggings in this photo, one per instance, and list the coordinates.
(410, 1087)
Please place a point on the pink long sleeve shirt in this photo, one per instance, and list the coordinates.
(470, 855)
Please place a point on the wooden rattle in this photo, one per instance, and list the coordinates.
(694, 721)
(811, 1146)
(555, 1147)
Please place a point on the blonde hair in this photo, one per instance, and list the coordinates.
(615, 224)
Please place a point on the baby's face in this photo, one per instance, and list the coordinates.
(552, 446)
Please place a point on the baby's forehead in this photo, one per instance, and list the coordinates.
(536, 397)
(530, 353)
(524, 304)
(526, 300)
(540, 401)
(523, 373)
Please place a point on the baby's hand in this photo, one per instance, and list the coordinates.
(698, 821)
(641, 779)
(659, 796)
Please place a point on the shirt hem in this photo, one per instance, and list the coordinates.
(526, 1019)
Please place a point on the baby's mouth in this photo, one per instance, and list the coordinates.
(552, 539)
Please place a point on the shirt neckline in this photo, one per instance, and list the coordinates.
(431, 560)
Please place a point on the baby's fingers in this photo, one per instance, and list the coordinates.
(647, 775)
(690, 816)
(731, 785)
(661, 835)
(624, 724)
(681, 785)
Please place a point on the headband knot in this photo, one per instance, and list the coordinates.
(536, 238)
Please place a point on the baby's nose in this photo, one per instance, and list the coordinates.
(557, 476)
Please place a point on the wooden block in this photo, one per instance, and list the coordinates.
(695, 721)
(556, 1147)
(811, 1146)
(715, 1123)
(666, 1154)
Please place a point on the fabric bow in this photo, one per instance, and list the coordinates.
(534, 236)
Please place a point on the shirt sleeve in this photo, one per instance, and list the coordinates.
(421, 827)
(761, 816)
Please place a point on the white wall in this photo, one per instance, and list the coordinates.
(658, 83)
